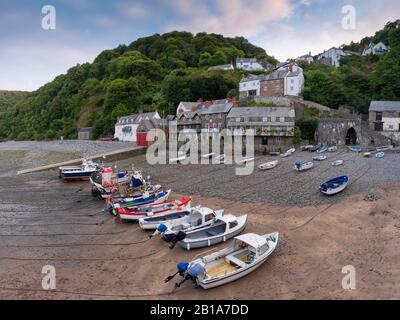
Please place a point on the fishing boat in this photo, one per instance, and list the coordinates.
(163, 209)
(298, 166)
(337, 163)
(145, 199)
(221, 230)
(82, 172)
(332, 149)
(334, 186)
(355, 148)
(268, 165)
(247, 253)
(380, 155)
(320, 158)
(322, 149)
(198, 218)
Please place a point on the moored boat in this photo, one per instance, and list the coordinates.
(320, 158)
(221, 230)
(269, 165)
(247, 253)
(82, 172)
(332, 149)
(380, 155)
(322, 149)
(298, 166)
(337, 163)
(355, 148)
(334, 186)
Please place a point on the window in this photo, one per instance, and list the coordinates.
(209, 217)
(379, 116)
(291, 88)
(292, 81)
(233, 224)
(390, 127)
(238, 119)
(264, 141)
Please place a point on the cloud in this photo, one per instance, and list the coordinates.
(231, 18)
(135, 10)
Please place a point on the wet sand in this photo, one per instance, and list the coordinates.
(44, 221)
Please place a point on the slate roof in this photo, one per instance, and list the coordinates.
(381, 106)
(136, 118)
(218, 108)
(261, 112)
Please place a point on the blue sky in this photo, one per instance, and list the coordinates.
(31, 56)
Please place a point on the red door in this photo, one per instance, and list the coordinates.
(141, 138)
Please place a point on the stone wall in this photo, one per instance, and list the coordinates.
(334, 131)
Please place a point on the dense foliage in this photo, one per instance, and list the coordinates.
(10, 98)
(358, 80)
(152, 73)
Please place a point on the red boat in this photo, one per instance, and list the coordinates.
(158, 209)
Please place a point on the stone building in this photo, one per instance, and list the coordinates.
(273, 126)
(85, 133)
(339, 132)
(213, 119)
(188, 120)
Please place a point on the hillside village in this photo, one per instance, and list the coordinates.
(270, 102)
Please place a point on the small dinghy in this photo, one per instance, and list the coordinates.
(337, 163)
(154, 209)
(208, 155)
(274, 153)
(334, 186)
(286, 154)
(322, 149)
(367, 154)
(82, 172)
(385, 148)
(198, 218)
(320, 158)
(314, 148)
(247, 253)
(380, 155)
(332, 149)
(298, 166)
(355, 148)
(268, 165)
(246, 160)
(306, 148)
(221, 230)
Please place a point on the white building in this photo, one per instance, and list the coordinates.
(249, 64)
(126, 127)
(333, 55)
(379, 48)
(250, 86)
(224, 67)
(294, 83)
(306, 58)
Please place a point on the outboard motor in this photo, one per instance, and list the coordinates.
(182, 267)
(192, 273)
(175, 238)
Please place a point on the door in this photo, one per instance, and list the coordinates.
(378, 126)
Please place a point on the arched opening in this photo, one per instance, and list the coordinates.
(351, 137)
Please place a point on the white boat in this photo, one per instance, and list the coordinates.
(247, 253)
(220, 159)
(337, 163)
(323, 149)
(82, 172)
(332, 149)
(306, 148)
(181, 156)
(221, 230)
(385, 148)
(286, 154)
(320, 158)
(380, 155)
(293, 150)
(367, 154)
(246, 160)
(208, 155)
(334, 186)
(303, 166)
(268, 165)
(198, 218)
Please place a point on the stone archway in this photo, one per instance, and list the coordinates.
(351, 137)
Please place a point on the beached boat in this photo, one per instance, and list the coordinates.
(380, 155)
(385, 148)
(367, 154)
(208, 155)
(221, 230)
(320, 158)
(355, 148)
(332, 149)
(268, 165)
(298, 166)
(322, 149)
(337, 163)
(153, 209)
(314, 148)
(286, 154)
(145, 199)
(246, 160)
(306, 148)
(334, 186)
(247, 253)
(82, 172)
(220, 159)
(198, 218)
(274, 153)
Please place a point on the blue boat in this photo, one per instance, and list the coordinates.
(142, 200)
(380, 155)
(355, 148)
(334, 186)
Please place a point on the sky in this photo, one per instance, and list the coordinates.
(31, 55)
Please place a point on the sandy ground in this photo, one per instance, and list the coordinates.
(47, 222)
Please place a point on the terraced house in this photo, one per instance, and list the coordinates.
(384, 117)
(273, 126)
